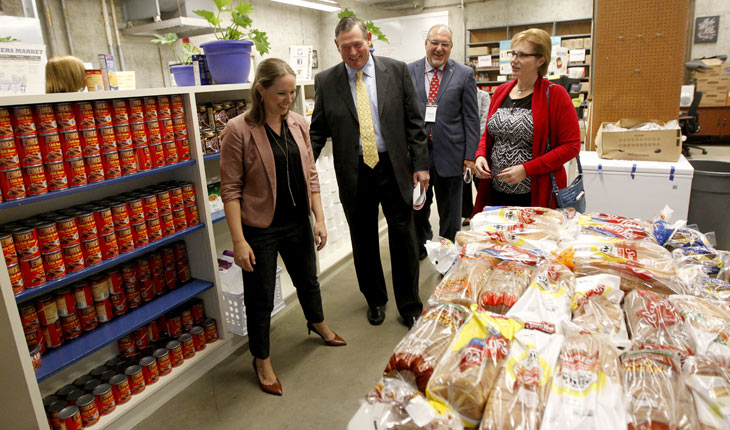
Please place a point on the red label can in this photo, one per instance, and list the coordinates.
(154, 229)
(92, 252)
(120, 215)
(76, 171)
(109, 246)
(126, 345)
(119, 303)
(180, 219)
(170, 150)
(170, 278)
(6, 125)
(114, 281)
(158, 280)
(166, 129)
(177, 106)
(183, 272)
(136, 110)
(139, 134)
(104, 312)
(48, 239)
(186, 319)
(104, 219)
(104, 399)
(144, 158)
(141, 338)
(103, 113)
(11, 257)
(71, 325)
(94, 169)
(154, 134)
(33, 273)
(26, 243)
(65, 302)
(68, 231)
(71, 145)
(134, 298)
(124, 136)
(88, 318)
(70, 418)
(149, 203)
(87, 225)
(188, 193)
(191, 215)
(89, 411)
(12, 185)
(125, 240)
(29, 151)
(29, 317)
(35, 180)
(112, 164)
(85, 115)
(211, 330)
(9, 158)
(150, 109)
(90, 144)
(164, 202)
(149, 370)
(129, 274)
(99, 288)
(198, 310)
(180, 128)
(183, 149)
(120, 113)
(16, 278)
(73, 258)
(35, 337)
(175, 349)
(147, 288)
(168, 225)
(135, 208)
(108, 139)
(157, 155)
(120, 389)
(142, 267)
(136, 379)
(22, 121)
(45, 120)
(54, 265)
(168, 257)
(139, 235)
(57, 179)
(198, 337)
(128, 161)
(155, 261)
(164, 366)
(163, 107)
(188, 346)
(51, 148)
(53, 334)
(153, 331)
(82, 295)
(176, 197)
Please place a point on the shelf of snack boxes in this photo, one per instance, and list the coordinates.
(24, 382)
(663, 313)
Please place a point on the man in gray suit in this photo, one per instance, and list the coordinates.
(447, 99)
(368, 107)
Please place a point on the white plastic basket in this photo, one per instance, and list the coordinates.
(235, 310)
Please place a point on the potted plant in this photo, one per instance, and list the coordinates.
(182, 72)
(372, 28)
(229, 57)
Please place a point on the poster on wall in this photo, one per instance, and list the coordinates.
(22, 69)
(558, 58)
(504, 57)
(706, 29)
(300, 59)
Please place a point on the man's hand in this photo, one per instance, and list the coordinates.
(482, 167)
(513, 175)
(469, 164)
(421, 177)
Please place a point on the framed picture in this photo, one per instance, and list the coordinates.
(315, 59)
(706, 28)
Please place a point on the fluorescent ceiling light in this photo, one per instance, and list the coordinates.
(310, 4)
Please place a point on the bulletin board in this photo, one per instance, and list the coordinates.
(407, 35)
(638, 60)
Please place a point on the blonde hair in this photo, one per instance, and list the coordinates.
(65, 75)
(540, 39)
(266, 73)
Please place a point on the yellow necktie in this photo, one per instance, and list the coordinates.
(367, 131)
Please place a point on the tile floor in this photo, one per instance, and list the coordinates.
(322, 386)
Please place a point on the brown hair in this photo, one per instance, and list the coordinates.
(347, 23)
(266, 73)
(540, 39)
(65, 75)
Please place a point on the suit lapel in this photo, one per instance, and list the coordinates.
(445, 79)
(342, 85)
(381, 78)
(421, 80)
(258, 133)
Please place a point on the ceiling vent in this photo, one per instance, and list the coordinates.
(394, 4)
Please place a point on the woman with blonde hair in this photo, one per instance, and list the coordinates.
(65, 74)
(513, 152)
(269, 184)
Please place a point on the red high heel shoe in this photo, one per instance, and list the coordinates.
(274, 388)
(337, 341)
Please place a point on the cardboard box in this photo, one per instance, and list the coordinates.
(585, 86)
(716, 69)
(478, 50)
(588, 58)
(564, 43)
(495, 51)
(713, 84)
(587, 43)
(108, 72)
(714, 99)
(94, 80)
(655, 145)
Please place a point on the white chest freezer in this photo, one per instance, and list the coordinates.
(637, 189)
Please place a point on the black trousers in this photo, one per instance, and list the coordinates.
(375, 187)
(449, 193)
(295, 243)
(505, 199)
(467, 203)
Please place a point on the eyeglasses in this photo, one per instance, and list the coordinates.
(522, 55)
(436, 43)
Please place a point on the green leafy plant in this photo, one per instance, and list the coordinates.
(185, 55)
(240, 23)
(8, 39)
(372, 28)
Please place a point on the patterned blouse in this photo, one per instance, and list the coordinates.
(511, 130)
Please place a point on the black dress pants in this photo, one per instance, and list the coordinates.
(375, 187)
(449, 192)
(295, 243)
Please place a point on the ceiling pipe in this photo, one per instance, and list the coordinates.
(69, 40)
(107, 29)
(51, 34)
(116, 33)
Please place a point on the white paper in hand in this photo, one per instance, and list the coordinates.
(419, 197)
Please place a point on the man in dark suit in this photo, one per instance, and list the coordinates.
(447, 98)
(368, 107)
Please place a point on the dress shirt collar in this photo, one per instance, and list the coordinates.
(429, 68)
(368, 70)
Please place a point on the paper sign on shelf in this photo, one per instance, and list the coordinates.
(484, 61)
(300, 59)
(504, 57)
(577, 55)
(22, 69)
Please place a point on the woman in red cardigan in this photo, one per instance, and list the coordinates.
(511, 152)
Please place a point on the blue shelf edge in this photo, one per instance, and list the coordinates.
(58, 359)
(212, 157)
(88, 187)
(218, 216)
(106, 264)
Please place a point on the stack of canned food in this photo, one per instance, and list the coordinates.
(147, 354)
(71, 311)
(212, 119)
(51, 147)
(49, 246)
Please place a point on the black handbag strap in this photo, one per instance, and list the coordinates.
(547, 148)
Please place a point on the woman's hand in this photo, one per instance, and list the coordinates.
(243, 255)
(513, 175)
(482, 167)
(320, 235)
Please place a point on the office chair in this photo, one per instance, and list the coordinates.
(690, 124)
